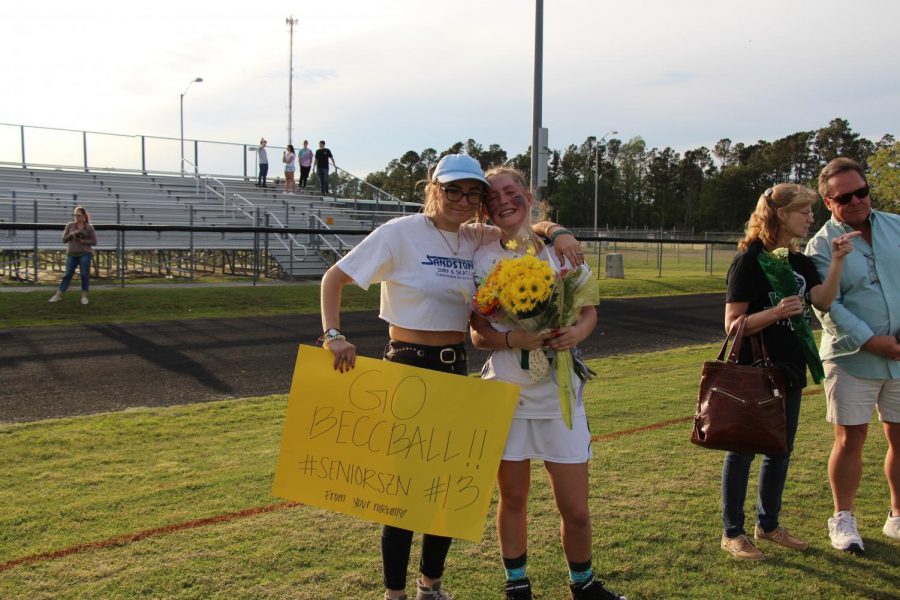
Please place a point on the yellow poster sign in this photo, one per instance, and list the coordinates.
(394, 444)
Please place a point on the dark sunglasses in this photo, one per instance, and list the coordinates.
(844, 199)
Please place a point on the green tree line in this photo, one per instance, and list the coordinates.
(702, 189)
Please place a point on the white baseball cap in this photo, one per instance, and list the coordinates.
(454, 167)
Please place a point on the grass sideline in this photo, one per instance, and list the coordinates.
(182, 301)
(655, 507)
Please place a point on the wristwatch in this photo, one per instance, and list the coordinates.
(331, 334)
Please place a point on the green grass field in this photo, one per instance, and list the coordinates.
(655, 505)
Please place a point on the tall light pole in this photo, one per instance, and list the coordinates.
(537, 98)
(181, 107)
(597, 172)
(291, 21)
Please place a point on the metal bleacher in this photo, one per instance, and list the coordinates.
(48, 195)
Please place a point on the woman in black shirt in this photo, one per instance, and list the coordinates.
(783, 215)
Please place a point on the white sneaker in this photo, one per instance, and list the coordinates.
(56, 297)
(84, 299)
(892, 527)
(844, 534)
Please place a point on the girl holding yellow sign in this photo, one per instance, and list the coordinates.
(424, 263)
(540, 428)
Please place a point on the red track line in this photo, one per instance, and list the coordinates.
(121, 540)
(660, 425)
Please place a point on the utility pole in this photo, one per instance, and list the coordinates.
(291, 21)
(536, 150)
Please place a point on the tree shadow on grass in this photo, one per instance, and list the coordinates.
(844, 568)
(164, 357)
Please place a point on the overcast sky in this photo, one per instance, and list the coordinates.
(378, 78)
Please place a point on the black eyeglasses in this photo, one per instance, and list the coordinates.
(844, 199)
(873, 270)
(454, 194)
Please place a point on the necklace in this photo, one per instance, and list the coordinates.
(446, 241)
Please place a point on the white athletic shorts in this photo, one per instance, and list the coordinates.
(549, 440)
(850, 399)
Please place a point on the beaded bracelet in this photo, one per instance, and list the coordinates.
(331, 339)
(559, 232)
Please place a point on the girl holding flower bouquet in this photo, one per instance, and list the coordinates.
(424, 264)
(521, 307)
(773, 283)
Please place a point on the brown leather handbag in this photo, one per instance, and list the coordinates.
(740, 408)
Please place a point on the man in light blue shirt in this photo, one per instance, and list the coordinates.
(860, 343)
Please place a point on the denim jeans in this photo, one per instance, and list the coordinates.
(323, 180)
(772, 476)
(84, 267)
(263, 172)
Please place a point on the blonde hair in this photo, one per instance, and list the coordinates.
(519, 179)
(87, 217)
(764, 224)
(432, 197)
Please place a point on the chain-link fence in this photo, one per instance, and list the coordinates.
(34, 252)
(126, 253)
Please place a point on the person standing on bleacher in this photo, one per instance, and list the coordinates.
(323, 155)
(305, 158)
(263, 163)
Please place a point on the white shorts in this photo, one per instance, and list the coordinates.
(849, 399)
(549, 440)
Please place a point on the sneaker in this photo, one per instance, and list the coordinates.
(56, 297)
(892, 527)
(431, 593)
(592, 589)
(403, 597)
(844, 534)
(520, 589)
(741, 547)
(780, 536)
(84, 300)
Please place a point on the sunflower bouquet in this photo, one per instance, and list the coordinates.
(525, 292)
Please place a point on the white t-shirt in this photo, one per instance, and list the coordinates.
(538, 400)
(426, 274)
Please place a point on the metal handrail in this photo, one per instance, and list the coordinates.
(378, 191)
(208, 188)
(196, 174)
(128, 135)
(337, 251)
(280, 238)
(236, 208)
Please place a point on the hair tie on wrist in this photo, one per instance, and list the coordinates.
(507, 340)
(559, 232)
